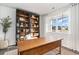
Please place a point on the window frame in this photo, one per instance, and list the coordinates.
(56, 25)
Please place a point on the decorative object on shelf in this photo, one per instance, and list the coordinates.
(21, 25)
(26, 25)
(27, 30)
(21, 19)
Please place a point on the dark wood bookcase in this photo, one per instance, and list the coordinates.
(27, 24)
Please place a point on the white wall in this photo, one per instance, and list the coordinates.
(42, 24)
(4, 12)
(71, 39)
(77, 28)
(67, 41)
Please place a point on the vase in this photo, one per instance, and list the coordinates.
(3, 44)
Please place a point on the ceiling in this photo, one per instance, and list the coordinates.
(39, 8)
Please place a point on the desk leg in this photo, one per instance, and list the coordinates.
(60, 48)
(59, 51)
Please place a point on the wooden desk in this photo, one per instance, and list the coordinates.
(38, 46)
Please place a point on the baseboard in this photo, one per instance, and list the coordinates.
(75, 51)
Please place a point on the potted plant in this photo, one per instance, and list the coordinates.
(6, 24)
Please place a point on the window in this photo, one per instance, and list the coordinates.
(60, 24)
(53, 24)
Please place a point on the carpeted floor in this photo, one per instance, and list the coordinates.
(64, 51)
(10, 48)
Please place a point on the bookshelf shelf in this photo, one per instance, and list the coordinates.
(27, 23)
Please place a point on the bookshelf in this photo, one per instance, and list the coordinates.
(27, 25)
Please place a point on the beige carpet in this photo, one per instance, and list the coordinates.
(12, 52)
(53, 52)
(63, 52)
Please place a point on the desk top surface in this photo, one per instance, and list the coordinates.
(29, 44)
